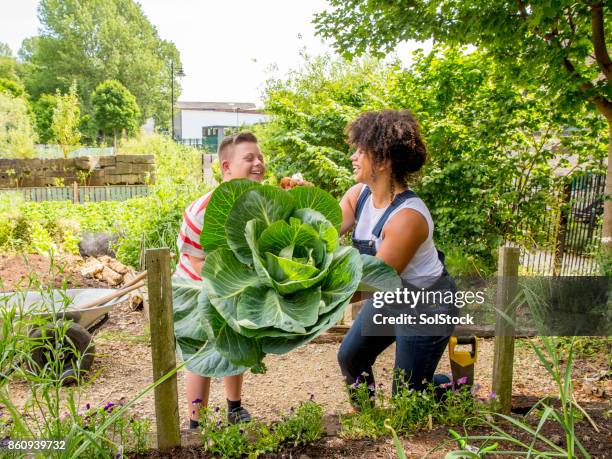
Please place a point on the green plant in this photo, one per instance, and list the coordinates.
(66, 120)
(53, 410)
(303, 425)
(450, 404)
(274, 277)
(43, 109)
(557, 357)
(114, 109)
(16, 133)
(399, 449)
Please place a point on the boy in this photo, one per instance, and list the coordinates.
(239, 157)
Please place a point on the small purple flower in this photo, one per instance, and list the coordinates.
(219, 424)
(384, 370)
(87, 406)
(446, 385)
(492, 395)
(474, 390)
(358, 380)
(462, 380)
(372, 386)
(241, 431)
(109, 407)
(217, 409)
(196, 401)
(5, 442)
(355, 385)
(192, 411)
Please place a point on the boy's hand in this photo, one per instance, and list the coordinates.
(286, 183)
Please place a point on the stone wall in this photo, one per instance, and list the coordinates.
(85, 170)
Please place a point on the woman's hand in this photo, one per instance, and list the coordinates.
(402, 236)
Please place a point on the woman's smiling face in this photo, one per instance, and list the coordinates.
(363, 169)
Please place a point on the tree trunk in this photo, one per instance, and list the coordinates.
(607, 217)
(115, 141)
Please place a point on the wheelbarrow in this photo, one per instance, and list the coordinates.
(69, 316)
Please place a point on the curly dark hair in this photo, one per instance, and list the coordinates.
(392, 135)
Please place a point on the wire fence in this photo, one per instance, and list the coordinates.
(55, 151)
(565, 240)
(81, 194)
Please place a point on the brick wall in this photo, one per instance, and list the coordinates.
(85, 170)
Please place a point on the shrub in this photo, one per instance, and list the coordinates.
(16, 132)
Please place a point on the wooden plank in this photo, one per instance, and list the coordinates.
(162, 347)
(75, 193)
(503, 358)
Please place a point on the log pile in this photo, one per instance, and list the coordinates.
(115, 274)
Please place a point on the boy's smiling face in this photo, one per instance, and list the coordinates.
(246, 162)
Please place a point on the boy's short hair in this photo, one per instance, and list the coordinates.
(226, 148)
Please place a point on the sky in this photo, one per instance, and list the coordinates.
(228, 48)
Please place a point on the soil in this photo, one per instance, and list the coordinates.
(123, 368)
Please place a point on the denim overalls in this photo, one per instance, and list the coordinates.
(416, 357)
(368, 247)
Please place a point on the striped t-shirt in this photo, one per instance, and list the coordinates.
(188, 240)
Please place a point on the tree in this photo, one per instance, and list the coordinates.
(66, 120)
(5, 50)
(9, 67)
(490, 141)
(90, 42)
(559, 45)
(114, 109)
(16, 134)
(44, 109)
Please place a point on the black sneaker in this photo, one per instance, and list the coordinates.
(238, 415)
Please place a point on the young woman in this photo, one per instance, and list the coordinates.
(392, 223)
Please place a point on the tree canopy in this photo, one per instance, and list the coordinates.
(559, 45)
(114, 109)
(90, 42)
(43, 109)
(491, 142)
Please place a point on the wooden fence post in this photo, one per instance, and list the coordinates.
(560, 239)
(503, 359)
(75, 192)
(162, 347)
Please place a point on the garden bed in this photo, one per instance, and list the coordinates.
(123, 368)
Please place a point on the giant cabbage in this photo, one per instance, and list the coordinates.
(274, 278)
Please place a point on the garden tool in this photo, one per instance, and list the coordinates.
(462, 362)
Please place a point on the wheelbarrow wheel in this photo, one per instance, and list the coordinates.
(63, 354)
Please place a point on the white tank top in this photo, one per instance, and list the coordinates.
(424, 268)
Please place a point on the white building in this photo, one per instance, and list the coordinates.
(199, 120)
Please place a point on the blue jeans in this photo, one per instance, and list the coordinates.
(416, 357)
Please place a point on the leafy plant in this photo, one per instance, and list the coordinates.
(51, 410)
(275, 276)
(16, 132)
(557, 357)
(450, 404)
(66, 120)
(114, 109)
(303, 425)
